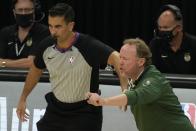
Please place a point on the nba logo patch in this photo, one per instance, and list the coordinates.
(190, 111)
(71, 59)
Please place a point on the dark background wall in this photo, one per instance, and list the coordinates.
(112, 21)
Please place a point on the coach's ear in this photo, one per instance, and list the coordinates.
(141, 62)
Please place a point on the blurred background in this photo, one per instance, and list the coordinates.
(111, 21)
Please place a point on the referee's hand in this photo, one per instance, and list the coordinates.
(21, 111)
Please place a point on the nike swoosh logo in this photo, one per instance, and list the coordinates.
(164, 56)
(51, 57)
(9, 43)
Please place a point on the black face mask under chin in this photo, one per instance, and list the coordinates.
(24, 20)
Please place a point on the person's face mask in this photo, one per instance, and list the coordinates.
(166, 35)
(24, 20)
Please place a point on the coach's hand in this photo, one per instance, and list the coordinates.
(94, 99)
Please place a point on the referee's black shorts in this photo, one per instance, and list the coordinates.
(78, 116)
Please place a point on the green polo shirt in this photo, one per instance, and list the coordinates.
(154, 104)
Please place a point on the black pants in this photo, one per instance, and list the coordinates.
(78, 116)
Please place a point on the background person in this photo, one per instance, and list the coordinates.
(173, 50)
(18, 42)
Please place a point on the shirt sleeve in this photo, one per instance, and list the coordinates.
(154, 52)
(95, 51)
(146, 92)
(3, 42)
(39, 61)
(39, 33)
(156, 47)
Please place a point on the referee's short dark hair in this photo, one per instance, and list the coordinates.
(62, 10)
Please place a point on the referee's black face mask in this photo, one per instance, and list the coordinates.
(24, 20)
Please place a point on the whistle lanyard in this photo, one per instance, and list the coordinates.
(18, 52)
